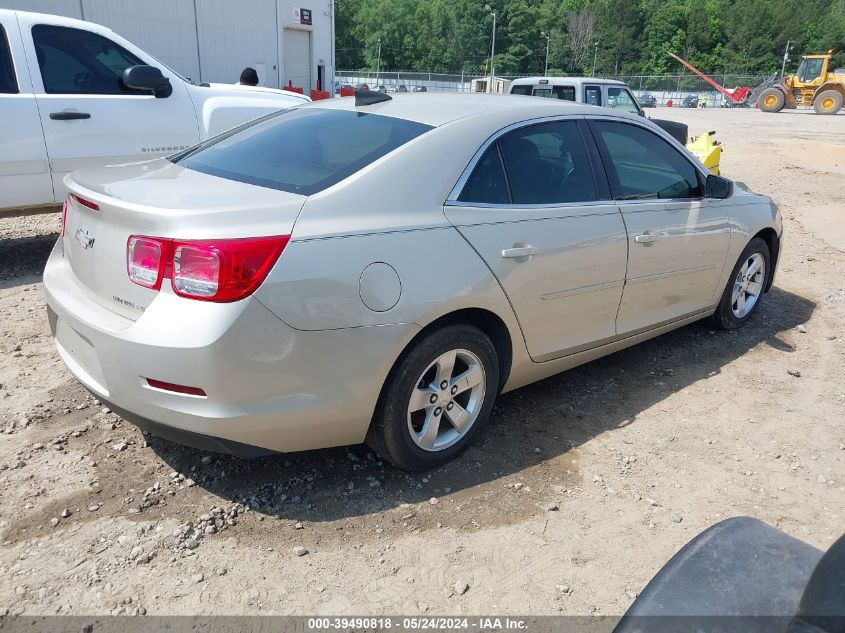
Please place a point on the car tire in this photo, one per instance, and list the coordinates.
(734, 309)
(771, 100)
(418, 424)
(828, 102)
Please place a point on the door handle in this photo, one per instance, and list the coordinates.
(646, 238)
(69, 116)
(520, 251)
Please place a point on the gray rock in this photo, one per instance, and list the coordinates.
(677, 518)
(552, 507)
(299, 551)
(221, 571)
(66, 513)
(461, 587)
(794, 372)
(197, 578)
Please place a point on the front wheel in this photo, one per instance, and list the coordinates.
(745, 286)
(436, 399)
(771, 100)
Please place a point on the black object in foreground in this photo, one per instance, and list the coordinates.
(743, 575)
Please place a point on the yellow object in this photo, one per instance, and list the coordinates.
(707, 150)
(814, 85)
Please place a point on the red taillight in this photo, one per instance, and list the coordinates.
(64, 218)
(169, 386)
(208, 270)
(146, 258)
(85, 203)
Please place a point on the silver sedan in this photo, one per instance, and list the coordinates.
(378, 269)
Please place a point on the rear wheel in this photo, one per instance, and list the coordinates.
(436, 399)
(828, 102)
(745, 286)
(771, 100)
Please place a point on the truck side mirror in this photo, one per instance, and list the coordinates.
(144, 77)
(718, 187)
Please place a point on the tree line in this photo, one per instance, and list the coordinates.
(614, 36)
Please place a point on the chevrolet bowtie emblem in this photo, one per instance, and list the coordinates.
(84, 237)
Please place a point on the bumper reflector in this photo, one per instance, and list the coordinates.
(169, 386)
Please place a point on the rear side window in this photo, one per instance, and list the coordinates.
(592, 95)
(487, 184)
(8, 82)
(642, 165)
(301, 150)
(75, 61)
(521, 90)
(548, 164)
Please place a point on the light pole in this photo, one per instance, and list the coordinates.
(489, 9)
(378, 62)
(785, 58)
(548, 40)
(595, 55)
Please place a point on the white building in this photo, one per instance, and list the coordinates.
(213, 40)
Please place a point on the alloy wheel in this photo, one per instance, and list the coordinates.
(446, 400)
(748, 285)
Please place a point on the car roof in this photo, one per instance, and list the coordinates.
(566, 81)
(439, 108)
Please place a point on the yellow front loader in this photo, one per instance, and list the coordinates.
(814, 85)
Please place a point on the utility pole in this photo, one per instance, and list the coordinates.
(785, 58)
(595, 55)
(378, 62)
(489, 9)
(548, 40)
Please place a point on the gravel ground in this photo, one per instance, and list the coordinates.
(579, 490)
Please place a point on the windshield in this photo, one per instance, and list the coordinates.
(301, 150)
(809, 69)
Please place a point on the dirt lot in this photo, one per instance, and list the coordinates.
(640, 451)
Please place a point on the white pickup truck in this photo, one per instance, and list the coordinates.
(75, 94)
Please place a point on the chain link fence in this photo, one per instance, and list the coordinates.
(662, 87)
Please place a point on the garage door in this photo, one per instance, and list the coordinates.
(297, 58)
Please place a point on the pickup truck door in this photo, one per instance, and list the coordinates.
(89, 117)
(677, 239)
(24, 171)
(533, 210)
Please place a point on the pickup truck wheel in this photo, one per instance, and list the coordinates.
(746, 284)
(436, 399)
(828, 102)
(771, 100)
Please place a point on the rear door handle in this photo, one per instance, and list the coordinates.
(646, 238)
(69, 116)
(520, 251)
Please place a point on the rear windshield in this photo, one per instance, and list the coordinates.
(301, 150)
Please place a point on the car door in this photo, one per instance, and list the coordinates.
(89, 117)
(24, 171)
(532, 208)
(677, 239)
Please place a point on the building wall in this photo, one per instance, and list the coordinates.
(208, 40)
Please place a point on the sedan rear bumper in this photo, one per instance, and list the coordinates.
(268, 386)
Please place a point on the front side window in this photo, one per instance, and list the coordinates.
(75, 61)
(621, 99)
(592, 95)
(548, 164)
(642, 165)
(8, 82)
(301, 150)
(521, 90)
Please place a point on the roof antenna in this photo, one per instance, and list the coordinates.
(370, 97)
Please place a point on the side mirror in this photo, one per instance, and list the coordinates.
(718, 187)
(144, 77)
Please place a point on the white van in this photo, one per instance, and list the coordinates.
(607, 93)
(75, 94)
(591, 90)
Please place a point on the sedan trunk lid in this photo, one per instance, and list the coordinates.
(158, 199)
